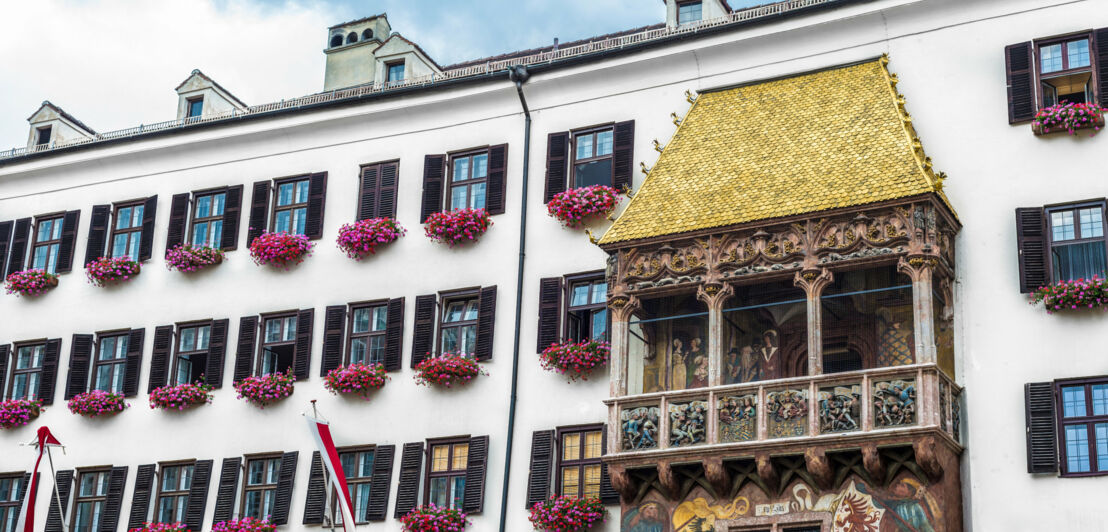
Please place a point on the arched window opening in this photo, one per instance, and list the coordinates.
(351, 38)
(367, 34)
(336, 41)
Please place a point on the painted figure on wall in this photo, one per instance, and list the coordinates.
(677, 357)
(700, 515)
(758, 360)
(640, 428)
(770, 358)
(738, 418)
(910, 508)
(698, 364)
(647, 517)
(687, 423)
(894, 403)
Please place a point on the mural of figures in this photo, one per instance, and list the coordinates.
(894, 403)
(910, 508)
(677, 357)
(840, 408)
(697, 359)
(770, 356)
(647, 517)
(640, 427)
(688, 423)
(738, 418)
(760, 359)
(894, 337)
(698, 515)
(787, 413)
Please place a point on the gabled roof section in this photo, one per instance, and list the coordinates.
(359, 20)
(204, 78)
(77, 124)
(415, 46)
(803, 144)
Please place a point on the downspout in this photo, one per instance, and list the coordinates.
(519, 75)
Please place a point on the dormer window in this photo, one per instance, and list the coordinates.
(196, 107)
(688, 12)
(396, 72)
(42, 135)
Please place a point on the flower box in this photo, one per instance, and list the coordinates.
(432, 518)
(96, 403)
(246, 524)
(108, 270)
(18, 412)
(266, 389)
(1072, 295)
(280, 249)
(188, 258)
(30, 282)
(575, 360)
(568, 514)
(447, 370)
(162, 527)
(458, 226)
(181, 396)
(1068, 117)
(576, 206)
(356, 379)
(360, 239)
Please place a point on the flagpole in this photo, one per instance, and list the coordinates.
(58, 497)
(328, 512)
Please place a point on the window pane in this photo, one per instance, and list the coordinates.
(88, 485)
(170, 478)
(184, 370)
(290, 328)
(273, 330)
(302, 191)
(580, 295)
(361, 320)
(600, 324)
(1078, 261)
(1061, 223)
(218, 201)
(440, 458)
(136, 215)
(1051, 58)
(203, 206)
(186, 477)
(604, 143)
(216, 234)
(469, 339)
(592, 481)
(461, 456)
(133, 245)
(358, 350)
(1077, 448)
(461, 169)
(454, 311)
(592, 444)
(377, 349)
(39, 258)
(284, 194)
(283, 223)
(1092, 222)
(44, 230)
(1100, 399)
(471, 310)
(1078, 53)
(380, 318)
(599, 292)
(570, 480)
(274, 468)
(361, 502)
(689, 12)
(439, 491)
(593, 173)
(477, 196)
(584, 146)
(480, 165)
(256, 472)
(366, 464)
(458, 495)
(299, 220)
(123, 218)
(200, 234)
(1101, 430)
(107, 348)
(253, 504)
(119, 245)
(188, 339)
(1073, 401)
(450, 340)
(203, 334)
(571, 446)
(347, 460)
(458, 197)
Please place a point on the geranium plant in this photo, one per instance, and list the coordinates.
(188, 258)
(18, 412)
(161, 527)
(1072, 295)
(246, 524)
(432, 518)
(568, 514)
(458, 226)
(360, 239)
(30, 282)
(181, 396)
(96, 403)
(1069, 117)
(358, 379)
(575, 360)
(280, 249)
(575, 206)
(266, 389)
(106, 270)
(447, 370)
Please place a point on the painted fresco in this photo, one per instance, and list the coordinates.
(840, 408)
(788, 413)
(688, 423)
(640, 427)
(758, 357)
(670, 353)
(647, 517)
(894, 403)
(738, 418)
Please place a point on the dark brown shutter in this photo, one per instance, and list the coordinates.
(64, 481)
(140, 500)
(1031, 243)
(317, 196)
(302, 360)
(70, 223)
(542, 462)
(146, 241)
(498, 171)
(434, 171)
(97, 232)
(198, 494)
(5, 244)
(244, 354)
(232, 213)
(23, 492)
(382, 474)
(474, 500)
(407, 485)
(159, 357)
(334, 327)
(217, 351)
(423, 335)
(225, 493)
(259, 211)
(608, 493)
(317, 492)
(1042, 452)
(486, 319)
(49, 371)
(394, 335)
(369, 191)
(386, 198)
(550, 311)
(19, 245)
(1100, 42)
(5, 350)
(623, 155)
(113, 504)
(285, 479)
(178, 220)
(557, 153)
(1018, 60)
(80, 355)
(133, 369)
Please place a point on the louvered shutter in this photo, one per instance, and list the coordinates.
(1031, 243)
(232, 214)
(217, 351)
(283, 500)
(70, 223)
(302, 360)
(434, 171)
(317, 196)
(198, 494)
(557, 153)
(334, 327)
(316, 500)
(19, 245)
(423, 335)
(97, 233)
(259, 211)
(407, 486)
(113, 504)
(369, 191)
(63, 480)
(1018, 60)
(80, 355)
(386, 196)
(23, 493)
(244, 354)
(379, 491)
(474, 500)
(498, 170)
(394, 335)
(225, 493)
(133, 368)
(486, 320)
(178, 221)
(49, 371)
(623, 155)
(1100, 42)
(5, 350)
(608, 494)
(5, 244)
(542, 458)
(146, 241)
(550, 312)
(159, 357)
(1042, 452)
(140, 500)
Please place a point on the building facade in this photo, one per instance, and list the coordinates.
(812, 327)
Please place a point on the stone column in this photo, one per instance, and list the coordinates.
(919, 268)
(623, 307)
(813, 281)
(715, 295)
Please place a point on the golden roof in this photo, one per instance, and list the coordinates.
(825, 140)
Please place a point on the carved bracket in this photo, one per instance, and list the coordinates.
(872, 461)
(667, 477)
(813, 280)
(717, 476)
(819, 467)
(924, 450)
(621, 482)
(714, 294)
(623, 307)
(768, 472)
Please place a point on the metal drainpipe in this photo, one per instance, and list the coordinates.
(519, 75)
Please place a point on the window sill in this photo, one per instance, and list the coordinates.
(1038, 130)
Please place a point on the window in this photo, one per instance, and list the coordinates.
(207, 219)
(357, 466)
(395, 72)
(195, 107)
(587, 312)
(92, 493)
(1077, 244)
(688, 12)
(336, 40)
(367, 333)
(1083, 426)
(446, 478)
(47, 244)
(468, 180)
(290, 208)
(367, 34)
(10, 486)
(278, 344)
(458, 331)
(351, 38)
(260, 490)
(27, 371)
(192, 352)
(592, 158)
(127, 230)
(173, 492)
(579, 461)
(111, 362)
(1065, 70)
(42, 135)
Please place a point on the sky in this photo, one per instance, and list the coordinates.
(114, 64)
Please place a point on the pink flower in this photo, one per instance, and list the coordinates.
(432, 518)
(30, 282)
(96, 403)
(576, 205)
(18, 412)
(161, 527)
(567, 514)
(246, 524)
(266, 389)
(1069, 116)
(361, 238)
(447, 370)
(106, 270)
(181, 396)
(188, 258)
(575, 359)
(280, 249)
(360, 379)
(457, 226)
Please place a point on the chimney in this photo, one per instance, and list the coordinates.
(555, 44)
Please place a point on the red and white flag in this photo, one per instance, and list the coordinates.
(321, 431)
(26, 522)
